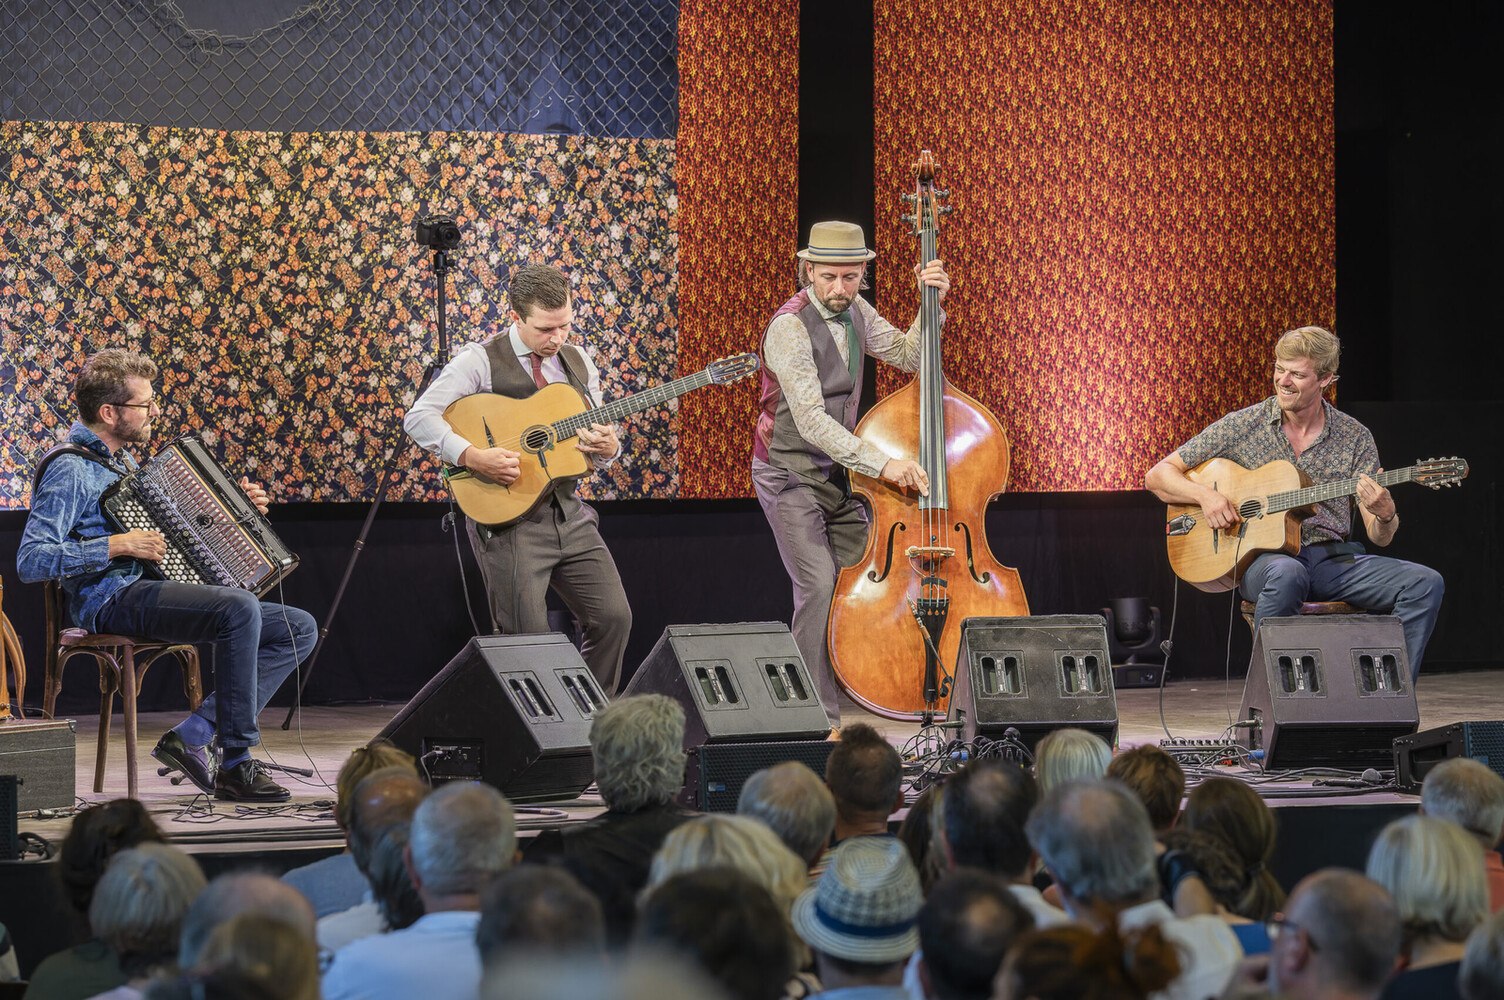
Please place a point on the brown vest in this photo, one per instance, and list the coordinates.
(778, 441)
(510, 378)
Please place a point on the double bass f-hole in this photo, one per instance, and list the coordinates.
(873, 575)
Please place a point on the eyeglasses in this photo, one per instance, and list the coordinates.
(1280, 923)
(149, 405)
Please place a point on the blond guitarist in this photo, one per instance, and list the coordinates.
(1298, 425)
(559, 544)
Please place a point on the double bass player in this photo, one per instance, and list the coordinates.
(813, 352)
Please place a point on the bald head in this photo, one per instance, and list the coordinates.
(385, 798)
(231, 895)
(1353, 932)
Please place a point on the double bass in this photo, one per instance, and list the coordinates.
(895, 619)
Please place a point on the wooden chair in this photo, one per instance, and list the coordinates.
(12, 662)
(1308, 608)
(123, 661)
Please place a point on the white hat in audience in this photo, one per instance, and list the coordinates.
(866, 904)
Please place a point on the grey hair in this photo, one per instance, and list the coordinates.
(1070, 755)
(1097, 839)
(794, 803)
(461, 836)
(141, 900)
(638, 743)
(1466, 792)
(229, 896)
(1434, 870)
(1355, 924)
(1482, 974)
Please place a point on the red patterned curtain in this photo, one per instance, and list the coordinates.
(1143, 195)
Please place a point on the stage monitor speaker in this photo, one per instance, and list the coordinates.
(1414, 756)
(513, 711)
(1035, 675)
(1328, 691)
(742, 682)
(717, 771)
(42, 754)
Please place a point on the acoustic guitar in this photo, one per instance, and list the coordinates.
(1272, 500)
(543, 429)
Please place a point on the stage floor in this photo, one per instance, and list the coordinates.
(1193, 709)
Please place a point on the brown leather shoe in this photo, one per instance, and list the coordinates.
(248, 782)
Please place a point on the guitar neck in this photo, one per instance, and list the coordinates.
(1334, 489)
(645, 400)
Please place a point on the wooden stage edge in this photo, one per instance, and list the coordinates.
(1198, 709)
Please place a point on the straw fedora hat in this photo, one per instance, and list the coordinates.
(836, 243)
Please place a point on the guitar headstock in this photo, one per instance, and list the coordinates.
(735, 367)
(1439, 472)
(926, 198)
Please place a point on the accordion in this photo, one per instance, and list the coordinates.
(214, 534)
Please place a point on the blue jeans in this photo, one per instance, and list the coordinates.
(1278, 583)
(256, 644)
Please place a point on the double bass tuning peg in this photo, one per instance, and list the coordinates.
(907, 217)
(908, 197)
(947, 209)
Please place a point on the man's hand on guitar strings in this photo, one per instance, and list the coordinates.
(1221, 513)
(598, 439)
(496, 464)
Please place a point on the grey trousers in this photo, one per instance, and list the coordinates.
(819, 529)
(566, 552)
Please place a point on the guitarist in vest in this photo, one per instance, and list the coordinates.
(1297, 425)
(559, 544)
(812, 354)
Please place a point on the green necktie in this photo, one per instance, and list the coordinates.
(853, 346)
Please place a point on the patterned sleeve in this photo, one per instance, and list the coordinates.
(1365, 453)
(886, 342)
(790, 358)
(1214, 442)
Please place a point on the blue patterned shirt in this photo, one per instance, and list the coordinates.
(1255, 436)
(67, 537)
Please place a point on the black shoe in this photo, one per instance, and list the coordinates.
(196, 763)
(248, 782)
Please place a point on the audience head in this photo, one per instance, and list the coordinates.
(95, 836)
(391, 883)
(1233, 812)
(1097, 841)
(725, 921)
(384, 798)
(362, 762)
(1067, 755)
(228, 896)
(1341, 935)
(462, 836)
(265, 950)
(1074, 962)
(1466, 792)
(795, 804)
(861, 917)
(984, 808)
(140, 902)
(864, 775)
(1156, 778)
(1212, 860)
(1434, 871)
(919, 833)
(969, 921)
(1482, 975)
(539, 909)
(638, 745)
(638, 976)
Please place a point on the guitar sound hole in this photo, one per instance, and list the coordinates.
(535, 439)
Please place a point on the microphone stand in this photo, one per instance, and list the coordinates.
(442, 265)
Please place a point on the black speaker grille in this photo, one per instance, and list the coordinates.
(717, 771)
(1350, 747)
(1485, 743)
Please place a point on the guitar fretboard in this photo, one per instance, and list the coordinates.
(1334, 489)
(645, 400)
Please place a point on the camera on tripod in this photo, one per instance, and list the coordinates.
(437, 231)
